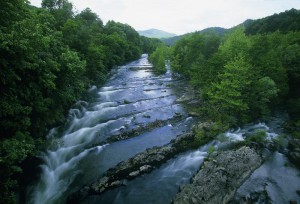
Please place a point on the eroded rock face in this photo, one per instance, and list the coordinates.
(220, 177)
(294, 153)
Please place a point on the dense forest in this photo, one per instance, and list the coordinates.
(49, 57)
(246, 73)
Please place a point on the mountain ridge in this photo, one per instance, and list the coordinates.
(156, 33)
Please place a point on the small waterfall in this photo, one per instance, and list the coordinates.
(59, 171)
(59, 168)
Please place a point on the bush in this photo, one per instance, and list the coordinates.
(258, 136)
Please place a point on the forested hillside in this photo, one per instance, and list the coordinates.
(155, 33)
(49, 57)
(213, 30)
(242, 77)
(285, 22)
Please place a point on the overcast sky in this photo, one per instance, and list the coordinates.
(182, 16)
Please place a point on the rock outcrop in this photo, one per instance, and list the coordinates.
(139, 164)
(220, 177)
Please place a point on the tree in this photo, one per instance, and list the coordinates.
(236, 42)
(62, 10)
(229, 96)
(263, 91)
(265, 56)
(158, 58)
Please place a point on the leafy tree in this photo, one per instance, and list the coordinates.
(263, 91)
(266, 59)
(158, 59)
(149, 44)
(229, 96)
(236, 43)
(62, 10)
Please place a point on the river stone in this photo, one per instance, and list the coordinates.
(145, 168)
(219, 178)
(134, 174)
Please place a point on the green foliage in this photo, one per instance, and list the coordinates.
(294, 128)
(243, 77)
(48, 57)
(279, 142)
(206, 134)
(211, 150)
(229, 95)
(158, 59)
(264, 54)
(236, 43)
(149, 44)
(12, 152)
(199, 47)
(60, 9)
(263, 92)
(10, 12)
(258, 136)
(284, 22)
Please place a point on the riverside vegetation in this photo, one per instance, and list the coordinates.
(243, 74)
(246, 72)
(49, 57)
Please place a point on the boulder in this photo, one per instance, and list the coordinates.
(220, 177)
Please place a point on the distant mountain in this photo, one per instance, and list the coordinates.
(285, 21)
(155, 33)
(171, 41)
(220, 31)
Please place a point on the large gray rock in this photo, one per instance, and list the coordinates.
(220, 177)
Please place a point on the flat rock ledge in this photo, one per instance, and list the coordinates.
(220, 177)
(139, 164)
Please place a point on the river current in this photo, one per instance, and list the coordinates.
(82, 150)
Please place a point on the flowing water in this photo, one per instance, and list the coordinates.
(161, 185)
(134, 97)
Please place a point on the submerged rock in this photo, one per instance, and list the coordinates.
(220, 177)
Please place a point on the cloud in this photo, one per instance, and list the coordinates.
(182, 16)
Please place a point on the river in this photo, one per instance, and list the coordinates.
(133, 98)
